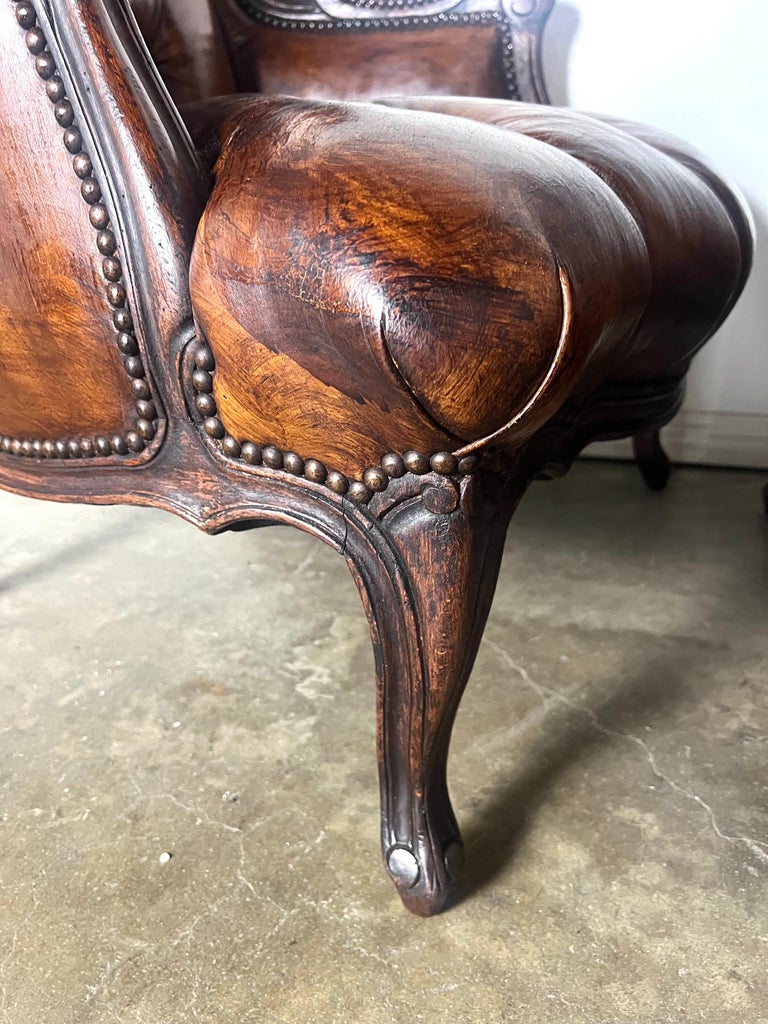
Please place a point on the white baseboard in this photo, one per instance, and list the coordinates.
(704, 437)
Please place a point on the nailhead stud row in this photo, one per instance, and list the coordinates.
(508, 61)
(263, 12)
(374, 480)
(399, 5)
(131, 441)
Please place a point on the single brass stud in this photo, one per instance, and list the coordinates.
(251, 453)
(25, 15)
(35, 40)
(140, 388)
(359, 492)
(444, 463)
(135, 441)
(214, 428)
(469, 464)
(375, 479)
(202, 381)
(204, 357)
(393, 465)
(146, 428)
(293, 463)
(231, 447)
(416, 462)
(315, 471)
(73, 140)
(272, 456)
(205, 404)
(64, 113)
(98, 216)
(337, 482)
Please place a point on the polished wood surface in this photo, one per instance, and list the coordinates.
(377, 323)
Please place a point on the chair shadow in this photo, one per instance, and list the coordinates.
(570, 733)
(90, 545)
(498, 828)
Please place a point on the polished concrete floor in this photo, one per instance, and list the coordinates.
(188, 798)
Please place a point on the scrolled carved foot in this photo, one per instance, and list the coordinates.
(652, 460)
(427, 880)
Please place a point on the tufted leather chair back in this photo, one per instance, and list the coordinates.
(347, 49)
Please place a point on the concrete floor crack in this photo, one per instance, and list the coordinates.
(756, 847)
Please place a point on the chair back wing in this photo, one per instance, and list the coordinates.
(100, 195)
(362, 49)
(186, 43)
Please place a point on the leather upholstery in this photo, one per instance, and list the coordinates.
(211, 48)
(697, 234)
(59, 367)
(361, 66)
(420, 280)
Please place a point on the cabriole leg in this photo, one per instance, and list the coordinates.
(428, 607)
(652, 460)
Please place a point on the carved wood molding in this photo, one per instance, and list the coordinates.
(125, 443)
(355, 15)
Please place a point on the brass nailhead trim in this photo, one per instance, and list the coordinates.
(307, 22)
(375, 478)
(131, 441)
(388, 5)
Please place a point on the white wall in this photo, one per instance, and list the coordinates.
(697, 68)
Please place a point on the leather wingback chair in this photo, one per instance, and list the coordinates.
(366, 308)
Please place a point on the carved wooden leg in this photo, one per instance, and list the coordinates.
(427, 600)
(652, 460)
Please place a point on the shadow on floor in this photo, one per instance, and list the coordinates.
(572, 730)
(89, 546)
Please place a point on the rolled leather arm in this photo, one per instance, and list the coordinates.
(697, 231)
(374, 279)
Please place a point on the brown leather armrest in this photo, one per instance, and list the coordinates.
(375, 279)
